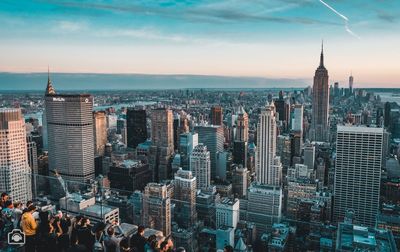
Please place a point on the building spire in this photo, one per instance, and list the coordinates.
(49, 89)
(48, 75)
(321, 60)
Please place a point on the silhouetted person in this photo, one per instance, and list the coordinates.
(138, 241)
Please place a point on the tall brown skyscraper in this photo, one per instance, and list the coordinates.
(216, 115)
(242, 132)
(320, 103)
(241, 138)
(100, 132)
(162, 137)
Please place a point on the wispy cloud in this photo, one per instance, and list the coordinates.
(346, 19)
(141, 33)
(70, 26)
(224, 11)
(386, 16)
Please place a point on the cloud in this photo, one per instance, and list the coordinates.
(385, 16)
(141, 33)
(224, 11)
(69, 26)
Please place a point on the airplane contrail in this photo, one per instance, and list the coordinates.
(346, 20)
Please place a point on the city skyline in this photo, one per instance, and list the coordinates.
(204, 38)
(196, 125)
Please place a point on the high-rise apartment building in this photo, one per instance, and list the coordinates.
(100, 132)
(200, 165)
(320, 103)
(162, 138)
(136, 127)
(216, 116)
(70, 134)
(15, 173)
(268, 169)
(213, 137)
(157, 208)
(185, 196)
(358, 173)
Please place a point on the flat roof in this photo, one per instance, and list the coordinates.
(99, 209)
(361, 129)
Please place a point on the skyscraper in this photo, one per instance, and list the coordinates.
(157, 208)
(358, 173)
(33, 163)
(162, 138)
(282, 109)
(136, 127)
(200, 165)
(309, 156)
(177, 130)
(185, 196)
(216, 115)
(213, 137)
(241, 138)
(70, 134)
(267, 166)
(297, 118)
(15, 174)
(320, 103)
(336, 89)
(100, 132)
(187, 142)
(242, 127)
(351, 80)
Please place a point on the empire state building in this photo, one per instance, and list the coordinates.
(320, 103)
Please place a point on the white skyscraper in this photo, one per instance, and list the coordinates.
(266, 161)
(15, 177)
(297, 118)
(200, 165)
(358, 173)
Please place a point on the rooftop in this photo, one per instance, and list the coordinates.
(99, 209)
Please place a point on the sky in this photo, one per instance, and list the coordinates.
(250, 38)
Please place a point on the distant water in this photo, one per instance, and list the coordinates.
(124, 105)
(87, 81)
(388, 97)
